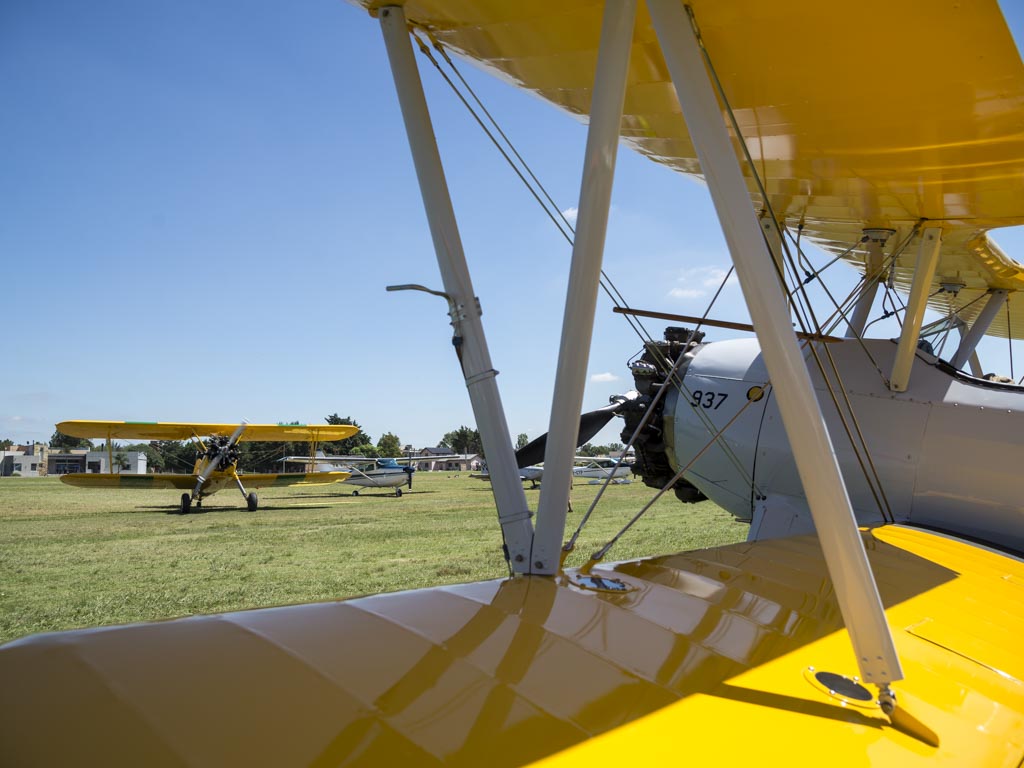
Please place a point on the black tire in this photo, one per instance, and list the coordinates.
(355, 493)
(186, 504)
(398, 492)
(252, 501)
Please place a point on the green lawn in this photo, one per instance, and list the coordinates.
(73, 557)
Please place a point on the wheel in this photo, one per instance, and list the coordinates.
(251, 502)
(398, 492)
(186, 503)
(355, 493)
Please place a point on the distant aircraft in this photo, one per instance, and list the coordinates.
(365, 472)
(215, 466)
(532, 473)
(598, 469)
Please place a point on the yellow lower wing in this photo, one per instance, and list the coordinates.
(293, 478)
(93, 480)
(710, 658)
(187, 482)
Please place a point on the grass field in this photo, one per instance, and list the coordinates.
(72, 557)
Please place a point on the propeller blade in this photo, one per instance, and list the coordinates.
(207, 468)
(591, 423)
(409, 471)
(237, 434)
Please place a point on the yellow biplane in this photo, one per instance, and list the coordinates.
(216, 456)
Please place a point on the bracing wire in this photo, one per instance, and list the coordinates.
(802, 287)
(607, 284)
(571, 544)
(600, 554)
(798, 298)
(567, 231)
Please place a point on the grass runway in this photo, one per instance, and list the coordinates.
(74, 557)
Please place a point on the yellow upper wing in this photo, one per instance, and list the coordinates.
(143, 430)
(868, 114)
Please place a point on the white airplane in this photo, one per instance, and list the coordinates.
(364, 472)
(887, 133)
(532, 474)
(597, 469)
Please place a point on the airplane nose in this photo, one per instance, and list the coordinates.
(660, 369)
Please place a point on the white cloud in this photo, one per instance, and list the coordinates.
(697, 282)
(686, 293)
(570, 214)
(603, 377)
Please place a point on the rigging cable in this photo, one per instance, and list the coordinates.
(570, 545)
(599, 555)
(873, 475)
(607, 285)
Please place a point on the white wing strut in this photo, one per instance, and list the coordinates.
(917, 303)
(996, 301)
(815, 459)
(513, 512)
(584, 278)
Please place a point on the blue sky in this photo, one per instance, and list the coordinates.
(203, 202)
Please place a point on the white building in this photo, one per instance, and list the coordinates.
(96, 462)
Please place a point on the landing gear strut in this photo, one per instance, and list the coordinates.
(251, 500)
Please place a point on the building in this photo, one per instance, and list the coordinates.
(96, 462)
(25, 460)
(441, 459)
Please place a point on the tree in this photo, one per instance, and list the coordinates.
(368, 450)
(463, 440)
(522, 440)
(154, 459)
(65, 443)
(615, 447)
(349, 444)
(5, 444)
(174, 456)
(120, 461)
(389, 445)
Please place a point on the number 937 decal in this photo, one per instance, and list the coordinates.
(710, 400)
